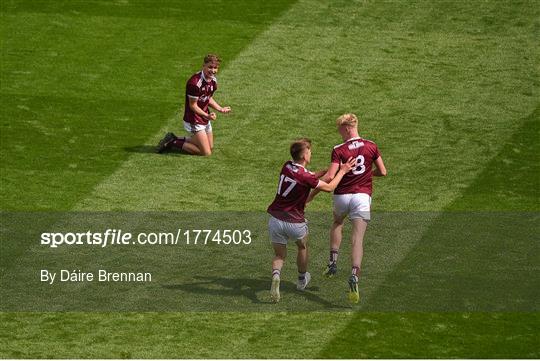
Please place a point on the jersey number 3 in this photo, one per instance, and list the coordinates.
(285, 179)
(360, 167)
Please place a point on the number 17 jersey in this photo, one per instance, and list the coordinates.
(295, 183)
(359, 179)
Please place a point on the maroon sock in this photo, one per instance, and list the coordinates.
(178, 143)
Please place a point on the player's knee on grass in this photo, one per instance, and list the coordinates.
(205, 150)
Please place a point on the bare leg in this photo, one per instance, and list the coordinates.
(280, 251)
(302, 262)
(191, 148)
(302, 257)
(210, 140)
(357, 251)
(200, 142)
(357, 239)
(336, 233)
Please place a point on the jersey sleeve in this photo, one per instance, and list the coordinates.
(335, 157)
(192, 90)
(376, 153)
(310, 179)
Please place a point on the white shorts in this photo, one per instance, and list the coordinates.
(281, 231)
(194, 128)
(355, 205)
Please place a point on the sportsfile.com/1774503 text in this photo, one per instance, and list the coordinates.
(117, 237)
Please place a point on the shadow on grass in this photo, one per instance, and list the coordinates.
(150, 149)
(247, 287)
(141, 149)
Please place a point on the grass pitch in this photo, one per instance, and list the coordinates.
(449, 90)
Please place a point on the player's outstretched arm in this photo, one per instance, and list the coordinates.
(326, 177)
(380, 170)
(320, 173)
(218, 107)
(343, 169)
(330, 172)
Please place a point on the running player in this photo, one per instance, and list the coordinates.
(352, 196)
(198, 118)
(287, 211)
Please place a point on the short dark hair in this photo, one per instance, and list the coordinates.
(298, 147)
(212, 58)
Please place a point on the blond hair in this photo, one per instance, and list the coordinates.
(349, 120)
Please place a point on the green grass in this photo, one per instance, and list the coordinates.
(430, 335)
(375, 335)
(449, 90)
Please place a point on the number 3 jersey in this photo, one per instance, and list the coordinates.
(358, 180)
(295, 183)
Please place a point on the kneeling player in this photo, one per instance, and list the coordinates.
(198, 118)
(287, 211)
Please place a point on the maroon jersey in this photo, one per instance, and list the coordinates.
(358, 180)
(295, 183)
(202, 89)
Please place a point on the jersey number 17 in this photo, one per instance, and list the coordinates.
(285, 179)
